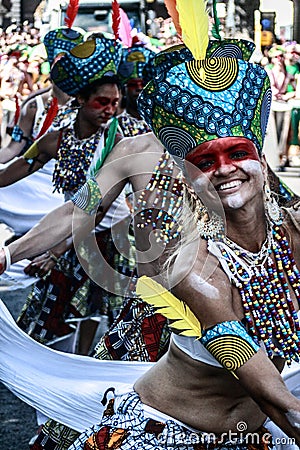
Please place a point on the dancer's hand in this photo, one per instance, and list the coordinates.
(41, 265)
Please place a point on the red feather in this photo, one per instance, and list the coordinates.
(71, 13)
(17, 113)
(173, 13)
(116, 17)
(51, 114)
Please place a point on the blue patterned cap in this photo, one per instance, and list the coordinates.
(133, 62)
(61, 40)
(184, 110)
(86, 63)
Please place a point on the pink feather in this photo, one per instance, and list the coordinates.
(125, 29)
(173, 13)
(71, 13)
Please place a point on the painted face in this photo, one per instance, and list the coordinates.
(229, 168)
(134, 87)
(102, 105)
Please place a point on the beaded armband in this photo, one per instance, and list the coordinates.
(230, 344)
(17, 134)
(88, 197)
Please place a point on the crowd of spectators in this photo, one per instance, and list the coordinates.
(23, 68)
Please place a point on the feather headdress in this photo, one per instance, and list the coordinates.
(125, 29)
(51, 114)
(116, 18)
(191, 20)
(194, 23)
(183, 319)
(71, 13)
(100, 155)
(173, 13)
(17, 111)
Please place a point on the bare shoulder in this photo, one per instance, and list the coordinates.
(139, 144)
(49, 143)
(292, 223)
(293, 214)
(202, 284)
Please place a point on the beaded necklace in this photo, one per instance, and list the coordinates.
(74, 157)
(130, 126)
(168, 201)
(263, 283)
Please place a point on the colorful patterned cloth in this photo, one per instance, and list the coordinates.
(86, 63)
(125, 426)
(133, 62)
(62, 40)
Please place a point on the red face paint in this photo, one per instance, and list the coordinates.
(135, 84)
(212, 155)
(103, 102)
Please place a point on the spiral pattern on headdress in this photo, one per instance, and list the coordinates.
(227, 51)
(220, 73)
(177, 141)
(231, 351)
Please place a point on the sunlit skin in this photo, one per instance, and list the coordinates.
(229, 166)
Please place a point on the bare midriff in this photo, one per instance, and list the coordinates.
(202, 396)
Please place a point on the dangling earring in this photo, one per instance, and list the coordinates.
(271, 206)
(210, 225)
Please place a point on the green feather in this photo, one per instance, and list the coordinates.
(215, 31)
(109, 144)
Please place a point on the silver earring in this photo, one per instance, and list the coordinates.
(271, 206)
(210, 225)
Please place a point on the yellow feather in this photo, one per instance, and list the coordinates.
(169, 306)
(194, 23)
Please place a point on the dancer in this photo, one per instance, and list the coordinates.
(184, 361)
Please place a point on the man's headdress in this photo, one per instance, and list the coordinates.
(213, 94)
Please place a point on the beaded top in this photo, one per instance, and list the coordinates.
(74, 157)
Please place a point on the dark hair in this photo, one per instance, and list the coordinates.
(89, 90)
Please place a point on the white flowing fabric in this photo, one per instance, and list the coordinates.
(69, 388)
(65, 387)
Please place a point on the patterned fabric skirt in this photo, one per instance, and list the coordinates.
(67, 295)
(124, 426)
(138, 334)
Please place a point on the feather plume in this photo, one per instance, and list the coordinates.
(184, 320)
(101, 154)
(71, 12)
(125, 29)
(194, 22)
(51, 114)
(116, 17)
(18, 110)
(216, 26)
(173, 13)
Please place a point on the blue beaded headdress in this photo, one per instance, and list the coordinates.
(61, 40)
(86, 63)
(184, 111)
(213, 93)
(133, 62)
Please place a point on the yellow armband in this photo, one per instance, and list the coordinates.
(32, 153)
